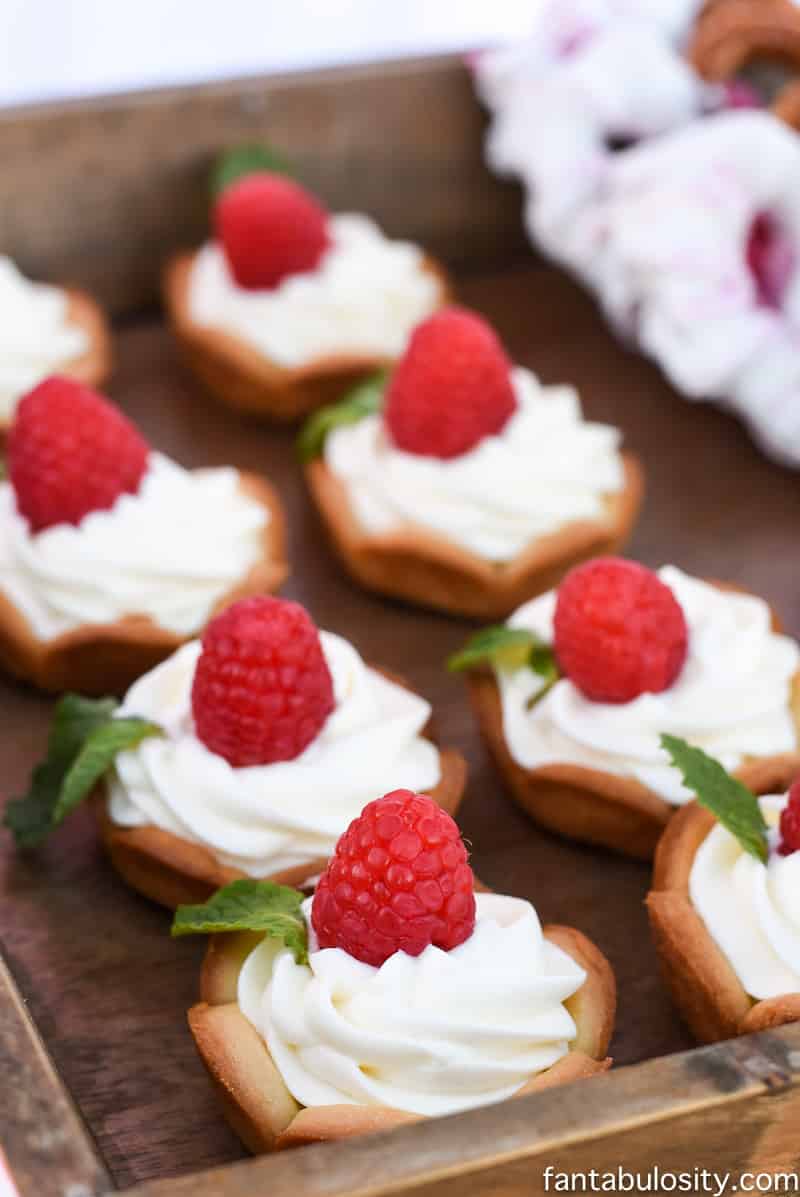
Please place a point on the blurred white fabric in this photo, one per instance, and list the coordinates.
(53, 49)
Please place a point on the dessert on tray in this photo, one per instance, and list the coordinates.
(394, 993)
(289, 305)
(111, 554)
(242, 755)
(47, 330)
(573, 694)
(461, 482)
(724, 904)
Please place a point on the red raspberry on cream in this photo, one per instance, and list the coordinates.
(790, 822)
(451, 389)
(398, 881)
(270, 227)
(262, 688)
(71, 452)
(619, 630)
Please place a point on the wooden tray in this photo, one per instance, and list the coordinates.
(100, 193)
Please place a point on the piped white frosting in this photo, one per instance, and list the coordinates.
(546, 468)
(170, 551)
(364, 297)
(430, 1034)
(36, 336)
(732, 697)
(263, 819)
(752, 909)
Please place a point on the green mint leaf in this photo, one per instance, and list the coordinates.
(242, 160)
(543, 662)
(97, 754)
(72, 764)
(508, 648)
(249, 906)
(363, 400)
(734, 806)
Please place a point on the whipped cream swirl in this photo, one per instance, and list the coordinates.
(263, 819)
(546, 468)
(732, 697)
(429, 1034)
(751, 909)
(36, 338)
(364, 297)
(170, 551)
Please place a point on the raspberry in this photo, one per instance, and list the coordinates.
(270, 227)
(451, 388)
(71, 452)
(397, 882)
(619, 631)
(262, 688)
(790, 822)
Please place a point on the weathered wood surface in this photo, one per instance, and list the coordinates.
(731, 1108)
(99, 193)
(44, 1145)
(107, 987)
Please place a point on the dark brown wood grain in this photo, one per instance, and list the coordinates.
(43, 1141)
(730, 1108)
(105, 984)
(402, 139)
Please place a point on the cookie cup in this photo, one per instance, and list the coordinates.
(591, 805)
(420, 566)
(265, 1116)
(172, 871)
(93, 367)
(701, 981)
(238, 374)
(99, 659)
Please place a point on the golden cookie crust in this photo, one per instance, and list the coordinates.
(259, 1107)
(173, 871)
(420, 566)
(94, 366)
(238, 374)
(701, 981)
(98, 659)
(730, 35)
(590, 805)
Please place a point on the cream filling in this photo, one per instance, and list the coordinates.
(170, 551)
(546, 468)
(266, 818)
(732, 697)
(431, 1034)
(364, 297)
(751, 909)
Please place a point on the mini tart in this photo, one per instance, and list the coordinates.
(595, 807)
(173, 871)
(237, 373)
(419, 565)
(262, 1112)
(99, 659)
(701, 981)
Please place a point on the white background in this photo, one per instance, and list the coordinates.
(51, 49)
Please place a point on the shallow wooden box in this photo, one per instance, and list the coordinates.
(100, 1087)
